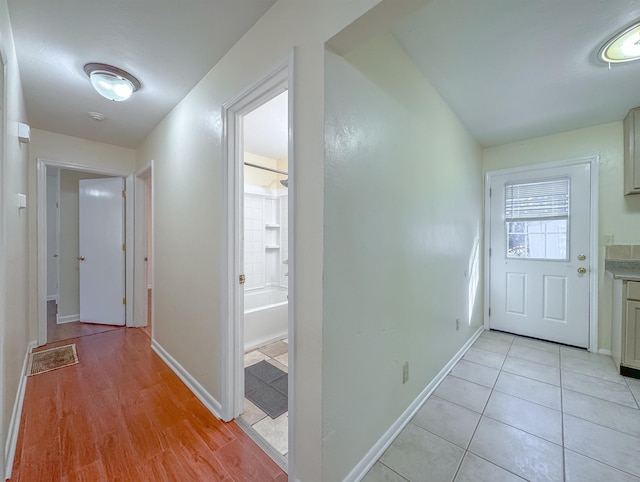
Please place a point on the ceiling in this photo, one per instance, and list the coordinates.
(519, 69)
(510, 69)
(168, 45)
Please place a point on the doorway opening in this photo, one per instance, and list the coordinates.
(144, 250)
(85, 217)
(260, 275)
(79, 299)
(266, 260)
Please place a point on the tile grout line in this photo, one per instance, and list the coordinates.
(466, 450)
(482, 415)
(561, 355)
(564, 458)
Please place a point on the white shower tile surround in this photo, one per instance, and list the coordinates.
(555, 414)
(265, 237)
(254, 234)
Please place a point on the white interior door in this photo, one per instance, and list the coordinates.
(101, 257)
(540, 253)
(53, 232)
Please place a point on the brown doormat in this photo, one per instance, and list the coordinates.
(47, 360)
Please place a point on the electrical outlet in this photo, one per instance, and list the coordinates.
(405, 372)
(457, 324)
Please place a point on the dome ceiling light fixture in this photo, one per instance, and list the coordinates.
(111, 82)
(623, 47)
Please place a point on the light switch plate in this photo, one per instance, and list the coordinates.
(24, 133)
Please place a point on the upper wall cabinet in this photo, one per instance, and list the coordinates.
(632, 152)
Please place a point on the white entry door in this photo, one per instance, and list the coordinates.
(101, 257)
(540, 253)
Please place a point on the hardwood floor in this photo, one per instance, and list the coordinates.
(147, 329)
(74, 329)
(122, 414)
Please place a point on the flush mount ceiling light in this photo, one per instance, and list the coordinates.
(111, 82)
(624, 47)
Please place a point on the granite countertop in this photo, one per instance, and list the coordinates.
(623, 269)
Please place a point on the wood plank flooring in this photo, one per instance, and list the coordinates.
(122, 415)
(64, 331)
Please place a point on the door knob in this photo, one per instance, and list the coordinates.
(80, 258)
(581, 257)
(582, 270)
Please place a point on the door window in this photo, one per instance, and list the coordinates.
(537, 219)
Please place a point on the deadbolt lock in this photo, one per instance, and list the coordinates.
(582, 270)
(581, 257)
(243, 279)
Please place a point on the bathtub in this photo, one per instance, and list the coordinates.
(266, 315)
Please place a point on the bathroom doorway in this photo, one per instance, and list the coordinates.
(266, 260)
(259, 375)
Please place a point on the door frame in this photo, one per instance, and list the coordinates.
(57, 294)
(6, 458)
(278, 79)
(141, 282)
(594, 175)
(41, 220)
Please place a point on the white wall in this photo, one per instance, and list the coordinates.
(402, 222)
(186, 148)
(14, 328)
(619, 214)
(57, 147)
(258, 177)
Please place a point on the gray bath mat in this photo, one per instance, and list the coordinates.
(267, 387)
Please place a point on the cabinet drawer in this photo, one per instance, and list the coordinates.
(633, 290)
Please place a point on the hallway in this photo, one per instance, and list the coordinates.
(65, 331)
(122, 414)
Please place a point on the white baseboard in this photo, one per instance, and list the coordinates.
(361, 469)
(265, 341)
(16, 415)
(52, 298)
(198, 390)
(68, 319)
(603, 351)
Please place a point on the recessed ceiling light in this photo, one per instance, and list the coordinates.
(111, 82)
(624, 47)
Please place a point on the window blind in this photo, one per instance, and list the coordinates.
(537, 200)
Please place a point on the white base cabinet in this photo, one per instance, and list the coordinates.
(625, 323)
(631, 332)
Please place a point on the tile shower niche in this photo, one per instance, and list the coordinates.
(272, 241)
(265, 243)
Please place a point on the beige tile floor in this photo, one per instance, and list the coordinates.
(518, 409)
(274, 431)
